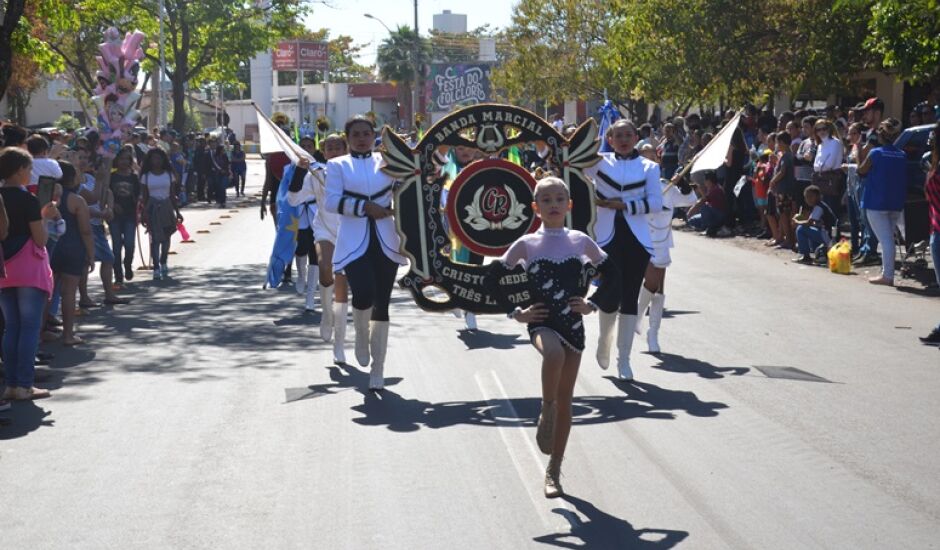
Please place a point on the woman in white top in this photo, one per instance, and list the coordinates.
(827, 165)
(324, 226)
(367, 244)
(627, 187)
(161, 213)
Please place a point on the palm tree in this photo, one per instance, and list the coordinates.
(395, 59)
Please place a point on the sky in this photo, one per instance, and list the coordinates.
(346, 17)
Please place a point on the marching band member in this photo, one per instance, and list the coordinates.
(367, 243)
(660, 225)
(325, 227)
(301, 195)
(628, 188)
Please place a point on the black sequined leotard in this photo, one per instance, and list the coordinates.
(557, 263)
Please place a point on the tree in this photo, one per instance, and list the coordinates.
(22, 27)
(396, 59)
(906, 34)
(24, 80)
(555, 50)
(696, 51)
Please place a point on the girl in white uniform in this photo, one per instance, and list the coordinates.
(301, 195)
(325, 227)
(660, 224)
(627, 187)
(367, 244)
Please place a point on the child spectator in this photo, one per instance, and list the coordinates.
(812, 225)
(709, 213)
(42, 165)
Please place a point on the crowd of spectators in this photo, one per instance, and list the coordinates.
(61, 199)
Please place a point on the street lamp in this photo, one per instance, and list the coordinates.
(370, 16)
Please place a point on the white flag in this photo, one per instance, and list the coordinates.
(274, 140)
(715, 153)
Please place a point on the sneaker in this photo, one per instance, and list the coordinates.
(804, 259)
(932, 339)
(868, 259)
(157, 275)
(724, 232)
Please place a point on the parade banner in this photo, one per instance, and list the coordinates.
(489, 204)
(457, 85)
(302, 55)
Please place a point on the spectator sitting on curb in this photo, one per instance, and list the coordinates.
(708, 214)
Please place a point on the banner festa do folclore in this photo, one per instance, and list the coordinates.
(457, 85)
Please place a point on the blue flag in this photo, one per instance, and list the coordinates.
(285, 243)
(608, 115)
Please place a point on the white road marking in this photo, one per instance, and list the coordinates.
(531, 469)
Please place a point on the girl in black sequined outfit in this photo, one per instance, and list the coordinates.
(559, 265)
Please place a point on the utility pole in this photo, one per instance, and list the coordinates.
(417, 67)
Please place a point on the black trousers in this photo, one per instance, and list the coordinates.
(306, 246)
(372, 276)
(631, 257)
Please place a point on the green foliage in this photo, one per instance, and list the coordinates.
(343, 53)
(906, 34)
(396, 59)
(695, 51)
(192, 121)
(67, 122)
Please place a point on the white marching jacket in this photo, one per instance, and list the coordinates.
(307, 198)
(635, 181)
(660, 222)
(351, 182)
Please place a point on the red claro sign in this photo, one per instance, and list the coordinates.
(301, 55)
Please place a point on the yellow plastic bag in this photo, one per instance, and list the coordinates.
(840, 257)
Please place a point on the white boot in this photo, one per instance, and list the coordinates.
(361, 319)
(656, 317)
(471, 320)
(301, 283)
(642, 304)
(326, 318)
(625, 332)
(608, 322)
(339, 331)
(313, 276)
(378, 344)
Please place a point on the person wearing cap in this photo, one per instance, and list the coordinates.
(885, 168)
(871, 112)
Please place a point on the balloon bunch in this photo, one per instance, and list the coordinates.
(116, 92)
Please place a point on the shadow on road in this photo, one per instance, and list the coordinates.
(479, 339)
(598, 529)
(24, 418)
(398, 413)
(688, 365)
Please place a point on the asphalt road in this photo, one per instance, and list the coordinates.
(207, 414)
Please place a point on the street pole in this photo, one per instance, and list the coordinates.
(417, 67)
(300, 95)
(161, 111)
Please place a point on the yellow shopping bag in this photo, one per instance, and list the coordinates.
(840, 257)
